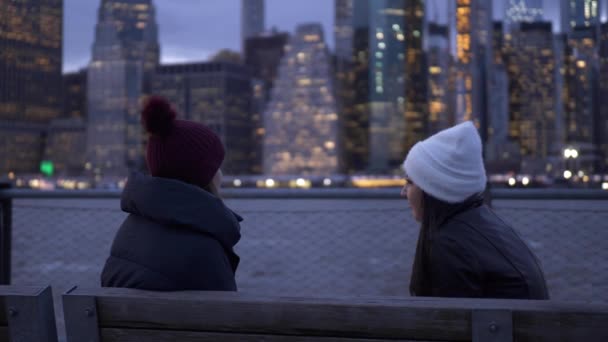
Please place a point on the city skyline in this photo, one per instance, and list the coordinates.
(181, 26)
(386, 87)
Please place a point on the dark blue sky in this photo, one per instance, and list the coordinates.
(191, 30)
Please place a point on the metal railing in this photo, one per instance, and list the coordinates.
(328, 242)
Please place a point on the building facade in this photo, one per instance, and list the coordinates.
(66, 145)
(380, 116)
(499, 149)
(75, 95)
(217, 94)
(440, 117)
(531, 67)
(474, 56)
(125, 52)
(353, 83)
(30, 79)
(416, 80)
(252, 18)
(580, 13)
(602, 125)
(301, 118)
(522, 11)
(581, 84)
(263, 54)
(388, 126)
(343, 29)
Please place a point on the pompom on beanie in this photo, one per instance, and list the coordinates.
(179, 149)
(448, 165)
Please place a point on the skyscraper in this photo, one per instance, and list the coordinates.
(499, 89)
(581, 83)
(217, 94)
(263, 55)
(474, 57)
(352, 137)
(388, 130)
(498, 150)
(416, 79)
(579, 13)
(301, 119)
(438, 54)
(521, 11)
(75, 94)
(344, 29)
(602, 125)
(30, 79)
(252, 19)
(372, 83)
(531, 67)
(125, 52)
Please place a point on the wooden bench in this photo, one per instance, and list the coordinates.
(26, 314)
(132, 315)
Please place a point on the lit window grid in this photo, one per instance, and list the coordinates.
(301, 119)
(532, 71)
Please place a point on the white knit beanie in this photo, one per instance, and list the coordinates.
(448, 165)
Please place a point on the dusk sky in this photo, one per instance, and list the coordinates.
(192, 30)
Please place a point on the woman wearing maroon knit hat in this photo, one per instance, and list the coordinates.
(179, 235)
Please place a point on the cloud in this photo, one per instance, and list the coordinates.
(190, 30)
(172, 54)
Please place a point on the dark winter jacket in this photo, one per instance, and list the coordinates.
(176, 237)
(476, 254)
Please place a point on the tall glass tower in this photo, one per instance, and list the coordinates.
(474, 56)
(252, 19)
(438, 60)
(387, 83)
(125, 51)
(580, 13)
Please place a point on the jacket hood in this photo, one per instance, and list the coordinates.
(176, 203)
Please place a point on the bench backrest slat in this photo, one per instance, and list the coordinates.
(201, 314)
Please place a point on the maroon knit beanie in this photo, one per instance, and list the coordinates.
(178, 149)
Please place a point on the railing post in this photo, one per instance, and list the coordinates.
(6, 232)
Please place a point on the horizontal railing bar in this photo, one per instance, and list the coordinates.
(392, 193)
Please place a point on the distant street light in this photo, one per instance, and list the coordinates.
(571, 153)
(567, 174)
(525, 181)
(605, 186)
(512, 181)
(574, 153)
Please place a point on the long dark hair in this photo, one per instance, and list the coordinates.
(435, 212)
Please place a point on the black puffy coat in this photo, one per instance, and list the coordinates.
(176, 237)
(476, 254)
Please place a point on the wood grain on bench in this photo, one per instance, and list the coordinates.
(130, 315)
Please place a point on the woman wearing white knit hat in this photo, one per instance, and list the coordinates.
(464, 249)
